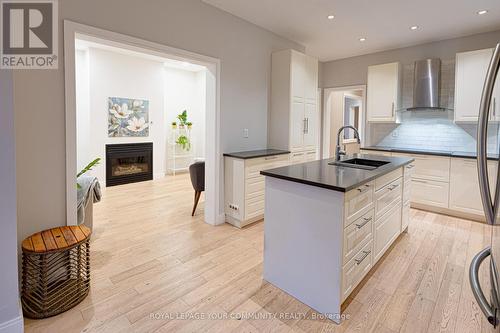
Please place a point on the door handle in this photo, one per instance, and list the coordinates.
(365, 221)
(485, 307)
(304, 126)
(490, 204)
(360, 260)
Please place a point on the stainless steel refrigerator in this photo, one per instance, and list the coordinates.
(488, 300)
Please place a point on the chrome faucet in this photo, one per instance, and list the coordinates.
(338, 151)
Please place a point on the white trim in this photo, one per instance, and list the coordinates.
(213, 172)
(15, 325)
(326, 116)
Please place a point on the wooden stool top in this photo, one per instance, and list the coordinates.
(56, 239)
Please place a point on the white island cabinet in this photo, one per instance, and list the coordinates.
(327, 226)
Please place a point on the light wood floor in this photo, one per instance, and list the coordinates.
(149, 256)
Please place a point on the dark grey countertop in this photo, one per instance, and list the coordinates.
(256, 153)
(461, 154)
(337, 178)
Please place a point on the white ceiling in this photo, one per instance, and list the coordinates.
(384, 23)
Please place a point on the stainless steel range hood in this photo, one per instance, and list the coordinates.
(426, 82)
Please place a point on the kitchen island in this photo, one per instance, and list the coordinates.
(327, 225)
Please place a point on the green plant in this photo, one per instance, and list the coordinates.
(182, 118)
(174, 123)
(88, 168)
(189, 124)
(183, 141)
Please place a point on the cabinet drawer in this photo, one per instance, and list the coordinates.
(254, 207)
(405, 219)
(388, 178)
(387, 197)
(431, 167)
(297, 157)
(357, 234)
(309, 155)
(387, 228)
(408, 170)
(464, 185)
(255, 186)
(407, 190)
(429, 192)
(254, 166)
(357, 202)
(356, 269)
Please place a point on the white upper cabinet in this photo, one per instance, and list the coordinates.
(470, 73)
(294, 120)
(383, 89)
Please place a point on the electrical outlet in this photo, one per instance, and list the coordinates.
(245, 132)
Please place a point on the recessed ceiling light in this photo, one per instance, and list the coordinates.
(362, 39)
(330, 17)
(414, 27)
(482, 12)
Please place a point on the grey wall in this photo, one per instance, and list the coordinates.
(245, 53)
(352, 71)
(9, 304)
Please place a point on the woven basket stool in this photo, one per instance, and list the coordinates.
(56, 270)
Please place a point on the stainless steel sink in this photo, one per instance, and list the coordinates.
(360, 163)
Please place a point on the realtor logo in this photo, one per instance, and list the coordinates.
(29, 34)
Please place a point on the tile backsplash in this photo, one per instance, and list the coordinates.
(433, 130)
(430, 129)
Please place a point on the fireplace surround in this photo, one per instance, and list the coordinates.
(128, 163)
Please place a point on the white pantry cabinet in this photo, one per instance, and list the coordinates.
(470, 73)
(294, 117)
(383, 91)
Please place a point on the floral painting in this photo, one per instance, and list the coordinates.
(128, 117)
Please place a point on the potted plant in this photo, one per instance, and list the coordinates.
(182, 119)
(189, 124)
(183, 141)
(174, 125)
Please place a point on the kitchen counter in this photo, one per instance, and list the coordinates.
(459, 154)
(327, 226)
(256, 153)
(337, 178)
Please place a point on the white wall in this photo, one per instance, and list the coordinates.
(102, 73)
(10, 315)
(185, 90)
(111, 74)
(243, 48)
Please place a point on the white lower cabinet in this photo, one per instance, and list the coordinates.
(372, 222)
(303, 156)
(244, 187)
(356, 269)
(464, 185)
(405, 218)
(387, 229)
(430, 192)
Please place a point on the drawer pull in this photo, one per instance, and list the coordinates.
(393, 187)
(419, 181)
(311, 152)
(363, 189)
(360, 260)
(270, 157)
(411, 166)
(298, 154)
(366, 220)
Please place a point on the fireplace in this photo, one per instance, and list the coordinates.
(129, 163)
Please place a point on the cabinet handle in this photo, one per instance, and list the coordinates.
(304, 126)
(360, 260)
(411, 166)
(363, 189)
(419, 181)
(393, 187)
(361, 225)
(307, 125)
(270, 157)
(298, 154)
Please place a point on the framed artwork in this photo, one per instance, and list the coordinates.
(128, 117)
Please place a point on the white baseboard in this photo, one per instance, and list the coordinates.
(15, 325)
(221, 219)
